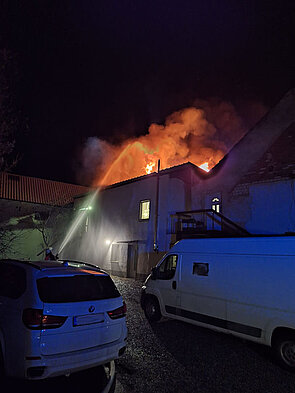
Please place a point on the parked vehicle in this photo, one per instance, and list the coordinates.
(58, 317)
(242, 286)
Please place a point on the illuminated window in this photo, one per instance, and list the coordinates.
(144, 210)
(215, 204)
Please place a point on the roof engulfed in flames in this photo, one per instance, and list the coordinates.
(200, 136)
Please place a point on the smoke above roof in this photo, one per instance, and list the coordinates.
(201, 134)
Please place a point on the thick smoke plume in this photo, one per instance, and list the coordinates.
(201, 134)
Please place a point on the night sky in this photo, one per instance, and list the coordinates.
(111, 68)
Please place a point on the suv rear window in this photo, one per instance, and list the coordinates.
(76, 288)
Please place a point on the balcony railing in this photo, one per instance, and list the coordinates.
(203, 222)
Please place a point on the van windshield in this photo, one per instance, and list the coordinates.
(76, 288)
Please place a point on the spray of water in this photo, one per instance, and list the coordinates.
(78, 220)
(89, 202)
(113, 166)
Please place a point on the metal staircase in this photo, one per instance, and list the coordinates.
(203, 223)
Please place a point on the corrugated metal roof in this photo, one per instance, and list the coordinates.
(34, 190)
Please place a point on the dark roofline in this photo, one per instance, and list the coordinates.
(41, 178)
(199, 172)
(248, 134)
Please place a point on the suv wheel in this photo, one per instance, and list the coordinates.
(152, 309)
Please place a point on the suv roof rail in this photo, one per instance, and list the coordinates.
(64, 261)
(39, 267)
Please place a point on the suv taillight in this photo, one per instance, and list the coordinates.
(34, 318)
(118, 312)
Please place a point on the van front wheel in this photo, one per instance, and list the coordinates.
(152, 309)
(284, 347)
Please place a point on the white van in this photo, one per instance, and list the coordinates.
(242, 286)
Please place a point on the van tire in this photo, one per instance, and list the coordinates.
(152, 309)
(284, 350)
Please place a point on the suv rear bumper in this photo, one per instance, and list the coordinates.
(64, 364)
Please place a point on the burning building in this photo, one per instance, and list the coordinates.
(200, 134)
(249, 190)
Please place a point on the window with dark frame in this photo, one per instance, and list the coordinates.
(144, 209)
(201, 269)
(77, 288)
(166, 270)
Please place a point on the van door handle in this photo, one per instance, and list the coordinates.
(174, 284)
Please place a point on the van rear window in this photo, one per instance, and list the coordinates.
(76, 288)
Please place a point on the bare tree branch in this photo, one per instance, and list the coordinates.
(7, 240)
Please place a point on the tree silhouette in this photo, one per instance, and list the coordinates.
(11, 121)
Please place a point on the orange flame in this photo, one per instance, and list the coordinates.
(149, 167)
(186, 136)
(205, 167)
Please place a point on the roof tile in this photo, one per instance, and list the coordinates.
(34, 190)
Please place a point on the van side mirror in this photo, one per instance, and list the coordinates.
(154, 273)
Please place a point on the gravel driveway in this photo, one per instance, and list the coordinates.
(172, 356)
